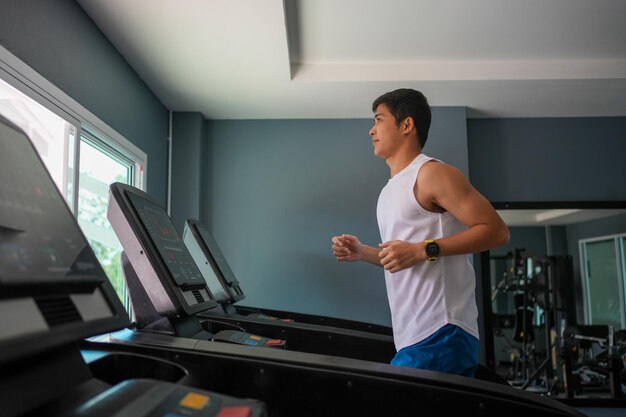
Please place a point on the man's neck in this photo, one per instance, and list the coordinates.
(401, 160)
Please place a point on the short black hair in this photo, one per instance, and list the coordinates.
(406, 102)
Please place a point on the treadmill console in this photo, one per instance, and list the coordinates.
(204, 248)
(161, 230)
(155, 250)
(213, 265)
(52, 287)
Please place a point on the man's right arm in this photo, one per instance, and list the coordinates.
(348, 248)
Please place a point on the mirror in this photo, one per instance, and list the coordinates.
(559, 280)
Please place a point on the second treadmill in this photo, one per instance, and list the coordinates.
(303, 332)
(228, 291)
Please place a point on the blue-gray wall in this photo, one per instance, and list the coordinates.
(279, 190)
(577, 159)
(558, 236)
(188, 175)
(59, 41)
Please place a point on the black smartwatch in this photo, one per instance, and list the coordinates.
(432, 250)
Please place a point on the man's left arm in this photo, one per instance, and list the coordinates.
(446, 187)
(450, 190)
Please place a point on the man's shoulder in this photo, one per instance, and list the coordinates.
(437, 168)
(436, 176)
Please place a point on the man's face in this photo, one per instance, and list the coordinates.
(385, 133)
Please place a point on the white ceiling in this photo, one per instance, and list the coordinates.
(257, 59)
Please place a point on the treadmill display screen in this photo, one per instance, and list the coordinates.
(40, 241)
(222, 264)
(167, 241)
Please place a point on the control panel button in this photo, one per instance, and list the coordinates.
(274, 342)
(241, 411)
(194, 401)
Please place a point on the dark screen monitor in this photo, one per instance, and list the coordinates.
(219, 276)
(53, 290)
(154, 248)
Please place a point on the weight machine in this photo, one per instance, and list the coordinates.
(578, 360)
(530, 279)
(594, 360)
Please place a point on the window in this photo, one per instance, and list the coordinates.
(603, 270)
(52, 135)
(82, 169)
(100, 165)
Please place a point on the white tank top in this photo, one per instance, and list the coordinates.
(429, 295)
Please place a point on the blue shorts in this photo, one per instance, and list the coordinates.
(450, 349)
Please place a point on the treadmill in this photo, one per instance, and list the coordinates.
(166, 288)
(226, 287)
(53, 293)
(303, 332)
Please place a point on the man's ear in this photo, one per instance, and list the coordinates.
(407, 125)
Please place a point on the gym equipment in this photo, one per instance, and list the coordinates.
(578, 360)
(593, 360)
(530, 280)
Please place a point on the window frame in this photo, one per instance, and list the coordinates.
(22, 77)
(618, 242)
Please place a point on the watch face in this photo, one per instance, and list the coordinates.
(432, 249)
